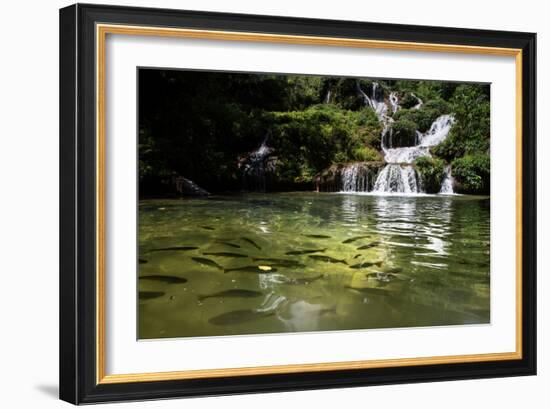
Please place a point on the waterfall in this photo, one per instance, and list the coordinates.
(374, 101)
(419, 102)
(394, 102)
(447, 184)
(256, 165)
(399, 176)
(396, 178)
(438, 131)
(327, 98)
(355, 178)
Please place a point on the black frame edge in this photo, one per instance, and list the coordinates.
(529, 204)
(68, 390)
(77, 205)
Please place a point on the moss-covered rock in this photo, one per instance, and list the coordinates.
(431, 172)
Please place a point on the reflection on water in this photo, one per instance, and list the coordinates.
(268, 263)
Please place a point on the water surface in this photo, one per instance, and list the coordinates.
(418, 261)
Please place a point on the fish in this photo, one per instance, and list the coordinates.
(279, 262)
(304, 280)
(294, 265)
(233, 293)
(392, 270)
(366, 264)
(324, 311)
(357, 256)
(207, 227)
(226, 243)
(369, 246)
(165, 279)
(252, 269)
(352, 239)
(300, 252)
(369, 290)
(327, 259)
(251, 242)
(142, 261)
(207, 262)
(224, 254)
(238, 316)
(317, 236)
(149, 295)
(176, 248)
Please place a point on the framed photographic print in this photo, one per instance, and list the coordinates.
(258, 203)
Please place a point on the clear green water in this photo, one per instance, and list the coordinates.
(430, 255)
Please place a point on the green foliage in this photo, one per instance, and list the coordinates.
(403, 133)
(422, 118)
(431, 171)
(202, 124)
(470, 133)
(472, 174)
(439, 105)
(408, 101)
(366, 154)
(319, 136)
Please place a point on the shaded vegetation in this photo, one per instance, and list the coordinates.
(205, 125)
(431, 171)
(472, 174)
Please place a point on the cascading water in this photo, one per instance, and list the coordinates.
(399, 175)
(375, 101)
(255, 167)
(419, 102)
(447, 184)
(394, 102)
(355, 178)
(327, 97)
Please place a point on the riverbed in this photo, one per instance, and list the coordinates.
(292, 262)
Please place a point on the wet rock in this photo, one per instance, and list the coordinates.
(186, 187)
(348, 177)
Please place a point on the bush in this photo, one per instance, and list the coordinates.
(423, 118)
(438, 105)
(366, 154)
(403, 133)
(308, 141)
(472, 174)
(431, 171)
(408, 101)
(471, 130)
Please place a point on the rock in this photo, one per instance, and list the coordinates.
(348, 177)
(186, 187)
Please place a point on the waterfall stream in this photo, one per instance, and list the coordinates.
(447, 184)
(256, 165)
(399, 175)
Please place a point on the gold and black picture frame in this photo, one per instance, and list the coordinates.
(148, 271)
